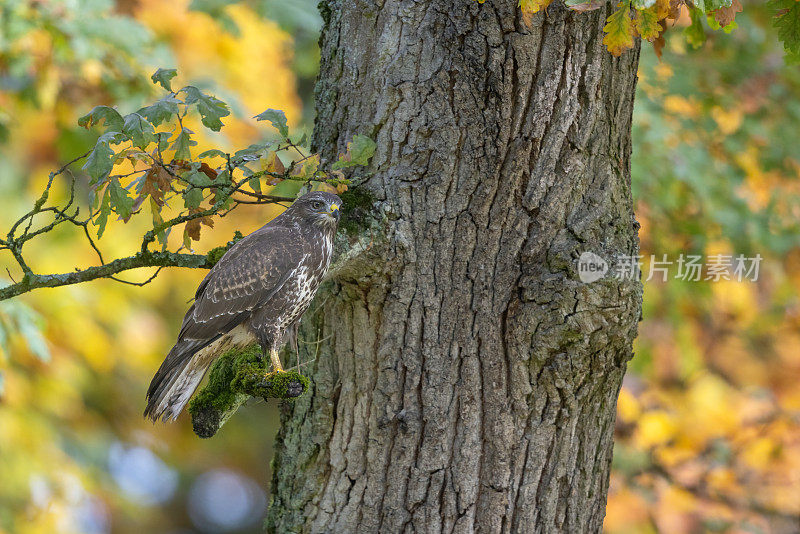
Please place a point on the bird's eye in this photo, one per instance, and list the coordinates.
(317, 205)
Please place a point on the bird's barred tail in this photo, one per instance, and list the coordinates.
(175, 381)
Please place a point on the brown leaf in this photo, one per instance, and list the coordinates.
(193, 229)
(725, 15)
(208, 171)
(675, 9)
(156, 183)
(662, 9)
(658, 45)
(274, 164)
(193, 226)
(659, 42)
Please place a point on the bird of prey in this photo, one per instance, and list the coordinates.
(255, 293)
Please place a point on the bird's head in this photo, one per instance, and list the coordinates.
(318, 208)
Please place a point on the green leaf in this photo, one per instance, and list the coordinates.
(213, 153)
(155, 210)
(715, 25)
(278, 120)
(102, 217)
(163, 77)
(223, 178)
(100, 160)
(211, 109)
(730, 27)
(251, 153)
(182, 144)
(160, 111)
(707, 6)
(198, 178)
(787, 22)
(255, 183)
(99, 163)
(359, 152)
(584, 5)
(162, 138)
(361, 149)
(192, 197)
(695, 34)
(646, 23)
(112, 118)
(138, 130)
(121, 202)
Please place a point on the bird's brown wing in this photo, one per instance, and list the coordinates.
(248, 275)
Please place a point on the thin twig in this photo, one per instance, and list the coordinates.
(139, 284)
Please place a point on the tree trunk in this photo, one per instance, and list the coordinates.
(465, 379)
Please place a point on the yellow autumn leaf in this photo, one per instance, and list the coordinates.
(728, 120)
(529, 7)
(272, 163)
(679, 105)
(710, 408)
(721, 479)
(662, 8)
(646, 23)
(628, 406)
(619, 30)
(759, 453)
(655, 428)
(663, 71)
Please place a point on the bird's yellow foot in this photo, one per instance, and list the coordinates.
(276, 362)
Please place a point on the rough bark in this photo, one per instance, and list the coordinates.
(464, 379)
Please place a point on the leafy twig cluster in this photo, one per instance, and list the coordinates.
(650, 19)
(144, 161)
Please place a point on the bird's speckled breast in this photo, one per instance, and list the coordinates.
(297, 293)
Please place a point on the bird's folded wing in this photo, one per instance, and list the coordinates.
(247, 276)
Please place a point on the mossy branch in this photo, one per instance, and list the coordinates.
(236, 376)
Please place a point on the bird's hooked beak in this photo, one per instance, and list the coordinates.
(334, 211)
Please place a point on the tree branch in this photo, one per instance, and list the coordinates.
(235, 377)
(141, 259)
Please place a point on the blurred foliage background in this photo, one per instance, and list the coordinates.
(708, 436)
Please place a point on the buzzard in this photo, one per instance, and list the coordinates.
(255, 293)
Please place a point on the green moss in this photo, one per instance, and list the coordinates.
(252, 379)
(216, 253)
(236, 376)
(325, 12)
(357, 205)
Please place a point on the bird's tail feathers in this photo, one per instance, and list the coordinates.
(175, 381)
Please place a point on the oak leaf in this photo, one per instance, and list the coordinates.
(619, 30)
